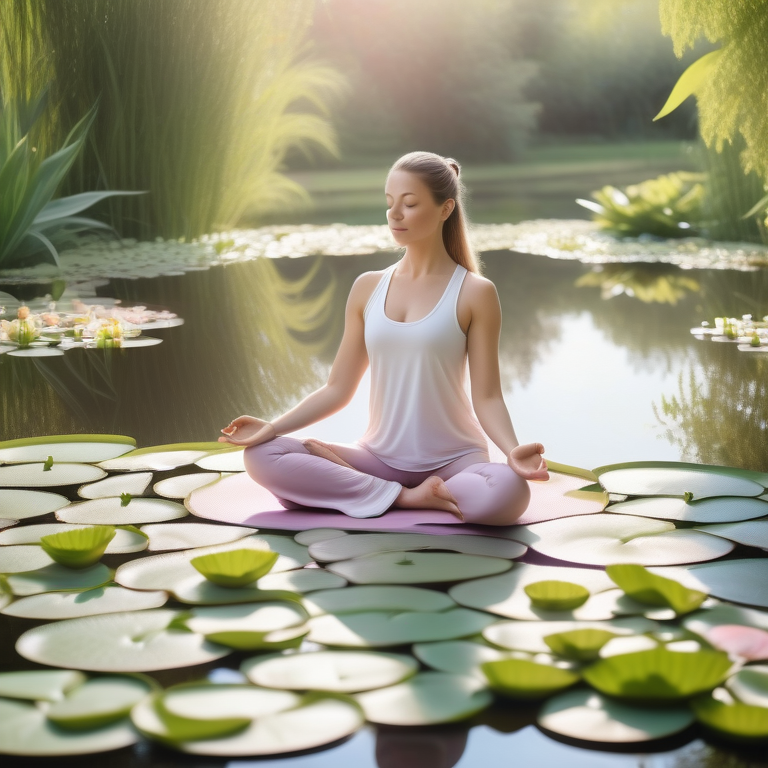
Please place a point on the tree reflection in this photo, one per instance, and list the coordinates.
(409, 747)
(650, 283)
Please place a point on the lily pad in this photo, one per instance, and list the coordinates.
(579, 644)
(347, 547)
(81, 449)
(587, 716)
(70, 605)
(426, 699)
(98, 702)
(58, 578)
(747, 643)
(314, 535)
(730, 718)
(134, 641)
(39, 684)
(461, 657)
(303, 580)
(753, 533)
(701, 622)
(750, 685)
(166, 537)
(134, 483)
(603, 539)
(646, 587)
(417, 567)
(337, 671)
(18, 559)
(25, 730)
(111, 511)
(378, 629)
(378, 598)
(36, 352)
(181, 486)
(236, 567)
(21, 505)
(524, 679)
(36, 476)
(79, 547)
(160, 457)
(126, 540)
(223, 461)
(658, 674)
(556, 595)
(723, 509)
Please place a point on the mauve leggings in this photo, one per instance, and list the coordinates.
(488, 493)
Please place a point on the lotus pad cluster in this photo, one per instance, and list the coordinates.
(630, 607)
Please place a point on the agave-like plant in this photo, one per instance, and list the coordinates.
(34, 226)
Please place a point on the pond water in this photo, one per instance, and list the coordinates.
(596, 380)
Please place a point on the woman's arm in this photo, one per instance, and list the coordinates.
(348, 368)
(487, 397)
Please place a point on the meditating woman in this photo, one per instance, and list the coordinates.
(417, 323)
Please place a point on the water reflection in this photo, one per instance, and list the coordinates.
(409, 747)
(650, 283)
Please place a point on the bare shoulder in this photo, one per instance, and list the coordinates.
(480, 290)
(363, 288)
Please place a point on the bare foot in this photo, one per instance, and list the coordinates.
(433, 493)
(318, 448)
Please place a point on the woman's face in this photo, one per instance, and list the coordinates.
(412, 212)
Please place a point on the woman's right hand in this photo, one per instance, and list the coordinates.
(247, 430)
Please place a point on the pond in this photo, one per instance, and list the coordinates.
(597, 380)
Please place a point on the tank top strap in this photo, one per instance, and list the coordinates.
(379, 291)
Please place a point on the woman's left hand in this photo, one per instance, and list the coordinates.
(528, 462)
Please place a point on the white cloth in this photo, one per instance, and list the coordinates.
(420, 416)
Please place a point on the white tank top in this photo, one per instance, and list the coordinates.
(419, 414)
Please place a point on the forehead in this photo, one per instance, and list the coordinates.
(404, 182)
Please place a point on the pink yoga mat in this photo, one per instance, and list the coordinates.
(239, 500)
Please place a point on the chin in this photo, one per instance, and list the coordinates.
(401, 238)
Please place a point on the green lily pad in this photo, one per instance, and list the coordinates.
(723, 509)
(21, 505)
(39, 684)
(426, 699)
(347, 547)
(556, 595)
(584, 715)
(730, 718)
(463, 657)
(337, 671)
(99, 702)
(58, 578)
(134, 641)
(80, 547)
(25, 730)
(604, 538)
(18, 559)
(236, 567)
(111, 511)
(378, 629)
(71, 605)
(417, 567)
(524, 679)
(223, 461)
(181, 486)
(658, 674)
(579, 644)
(377, 598)
(81, 449)
(752, 533)
(646, 587)
(126, 540)
(35, 476)
(166, 537)
(317, 534)
(134, 483)
(750, 685)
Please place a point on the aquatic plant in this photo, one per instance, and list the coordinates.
(748, 333)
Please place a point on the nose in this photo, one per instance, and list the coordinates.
(395, 213)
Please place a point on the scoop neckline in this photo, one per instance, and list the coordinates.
(421, 319)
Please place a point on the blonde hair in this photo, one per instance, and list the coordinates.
(443, 179)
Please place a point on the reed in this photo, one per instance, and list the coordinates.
(199, 102)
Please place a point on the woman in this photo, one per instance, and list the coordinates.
(417, 323)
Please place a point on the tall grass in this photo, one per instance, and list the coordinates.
(199, 101)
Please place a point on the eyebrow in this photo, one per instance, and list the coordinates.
(405, 194)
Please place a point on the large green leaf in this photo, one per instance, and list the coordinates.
(730, 718)
(524, 679)
(691, 81)
(646, 587)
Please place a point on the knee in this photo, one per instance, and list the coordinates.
(258, 458)
(510, 498)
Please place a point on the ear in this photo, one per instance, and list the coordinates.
(447, 209)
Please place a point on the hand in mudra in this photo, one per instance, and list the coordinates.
(247, 430)
(528, 462)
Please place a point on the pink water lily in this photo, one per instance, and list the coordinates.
(749, 643)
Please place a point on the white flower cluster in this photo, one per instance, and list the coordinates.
(748, 333)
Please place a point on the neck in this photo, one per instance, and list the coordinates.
(426, 257)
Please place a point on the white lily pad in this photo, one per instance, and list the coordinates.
(627, 644)
(36, 476)
(603, 539)
(529, 635)
(166, 537)
(70, 605)
(223, 461)
(417, 567)
(753, 533)
(141, 341)
(134, 641)
(25, 730)
(588, 716)
(181, 486)
(378, 598)
(378, 629)
(98, 702)
(110, 511)
(158, 461)
(58, 578)
(318, 534)
(461, 657)
(303, 580)
(81, 449)
(337, 671)
(704, 621)
(21, 505)
(133, 483)
(39, 684)
(724, 509)
(426, 699)
(124, 542)
(750, 685)
(36, 352)
(19, 559)
(702, 482)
